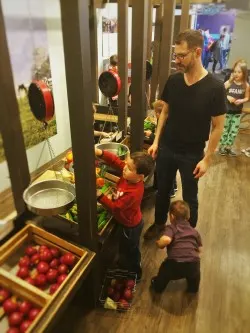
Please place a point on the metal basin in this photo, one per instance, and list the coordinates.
(113, 148)
(49, 197)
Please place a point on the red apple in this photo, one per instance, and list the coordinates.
(55, 252)
(10, 306)
(40, 280)
(23, 272)
(46, 255)
(63, 269)
(42, 267)
(30, 280)
(123, 304)
(4, 294)
(127, 294)
(24, 261)
(25, 307)
(15, 318)
(68, 259)
(33, 313)
(13, 330)
(52, 275)
(110, 291)
(25, 325)
(116, 296)
(53, 288)
(35, 259)
(61, 278)
(54, 263)
(42, 248)
(30, 250)
(130, 284)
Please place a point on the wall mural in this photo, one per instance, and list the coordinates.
(26, 31)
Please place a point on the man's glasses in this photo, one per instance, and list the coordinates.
(180, 56)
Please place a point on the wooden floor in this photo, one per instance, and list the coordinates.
(223, 304)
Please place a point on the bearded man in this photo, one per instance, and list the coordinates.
(193, 101)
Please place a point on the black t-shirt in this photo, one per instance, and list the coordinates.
(190, 110)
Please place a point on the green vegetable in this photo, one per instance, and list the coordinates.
(148, 125)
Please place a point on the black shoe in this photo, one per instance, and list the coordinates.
(153, 231)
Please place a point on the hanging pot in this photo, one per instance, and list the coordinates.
(109, 83)
(41, 101)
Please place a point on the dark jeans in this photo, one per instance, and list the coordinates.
(174, 187)
(215, 63)
(173, 270)
(129, 251)
(167, 165)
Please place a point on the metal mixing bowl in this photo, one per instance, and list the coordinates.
(113, 148)
(49, 197)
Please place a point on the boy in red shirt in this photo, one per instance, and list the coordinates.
(183, 245)
(125, 206)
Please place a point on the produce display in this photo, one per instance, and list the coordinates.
(45, 267)
(117, 293)
(121, 151)
(20, 313)
(149, 125)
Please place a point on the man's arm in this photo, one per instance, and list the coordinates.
(163, 242)
(217, 129)
(160, 126)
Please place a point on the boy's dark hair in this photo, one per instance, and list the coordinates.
(180, 209)
(113, 60)
(193, 38)
(144, 163)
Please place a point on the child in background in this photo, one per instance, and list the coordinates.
(113, 63)
(237, 94)
(150, 135)
(184, 246)
(125, 206)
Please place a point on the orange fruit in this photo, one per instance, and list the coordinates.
(69, 157)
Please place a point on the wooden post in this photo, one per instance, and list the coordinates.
(10, 126)
(184, 15)
(123, 64)
(93, 50)
(156, 53)
(76, 40)
(139, 44)
(150, 18)
(167, 41)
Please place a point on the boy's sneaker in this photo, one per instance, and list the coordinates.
(231, 153)
(153, 231)
(223, 151)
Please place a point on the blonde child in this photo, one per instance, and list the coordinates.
(237, 94)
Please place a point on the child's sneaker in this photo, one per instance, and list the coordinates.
(223, 151)
(231, 153)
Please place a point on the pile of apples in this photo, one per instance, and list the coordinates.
(121, 291)
(42, 266)
(20, 313)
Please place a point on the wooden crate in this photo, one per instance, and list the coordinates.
(10, 255)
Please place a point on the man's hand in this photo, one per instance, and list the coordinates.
(201, 168)
(98, 152)
(152, 150)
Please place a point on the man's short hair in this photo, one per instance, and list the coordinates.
(180, 210)
(143, 162)
(193, 38)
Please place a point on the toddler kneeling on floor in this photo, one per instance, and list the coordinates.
(183, 244)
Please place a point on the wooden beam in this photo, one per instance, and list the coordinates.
(123, 63)
(167, 41)
(184, 14)
(76, 41)
(156, 53)
(138, 98)
(10, 125)
(150, 19)
(94, 50)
